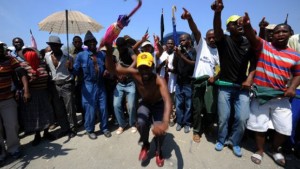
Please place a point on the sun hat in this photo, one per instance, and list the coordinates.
(54, 40)
(232, 18)
(144, 58)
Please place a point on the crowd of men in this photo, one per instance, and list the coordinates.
(238, 80)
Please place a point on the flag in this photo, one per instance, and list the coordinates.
(33, 42)
(162, 27)
(286, 19)
(175, 36)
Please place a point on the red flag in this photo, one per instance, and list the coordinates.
(33, 42)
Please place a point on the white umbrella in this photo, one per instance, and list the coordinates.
(78, 23)
(65, 22)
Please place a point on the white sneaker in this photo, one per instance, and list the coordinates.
(133, 129)
(120, 130)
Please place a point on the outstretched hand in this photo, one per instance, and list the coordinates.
(145, 37)
(217, 6)
(186, 14)
(263, 23)
(156, 39)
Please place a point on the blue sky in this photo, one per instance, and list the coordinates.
(19, 16)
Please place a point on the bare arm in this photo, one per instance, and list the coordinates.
(218, 6)
(157, 46)
(185, 59)
(186, 15)
(115, 68)
(291, 91)
(26, 96)
(139, 43)
(249, 32)
(160, 128)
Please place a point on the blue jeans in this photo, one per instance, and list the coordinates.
(239, 99)
(183, 95)
(125, 90)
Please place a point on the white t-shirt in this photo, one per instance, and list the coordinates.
(206, 61)
(172, 76)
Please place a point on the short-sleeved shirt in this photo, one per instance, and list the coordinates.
(60, 72)
(275, 67)
(7, 68)
(207, 59)
(234, 58)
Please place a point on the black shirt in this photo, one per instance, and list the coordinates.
(234, 58)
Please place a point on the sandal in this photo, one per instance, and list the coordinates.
(120, 130)
(279, 159)
(256, 158)
(196, 138)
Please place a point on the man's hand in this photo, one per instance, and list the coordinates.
(186, 14)
(247, 84)
(69, 64)
(263, 23)
(26, 97)
(217, 6)
(290, 92)
(245, 20)
(211, 80)
(156, 39)
(145, 37)
(160, 128)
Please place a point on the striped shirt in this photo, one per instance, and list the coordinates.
(7, 69)
(275, 67)
(40, 81)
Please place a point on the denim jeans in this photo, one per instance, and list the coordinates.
(183, 95)
(129, 92)
(240, 101)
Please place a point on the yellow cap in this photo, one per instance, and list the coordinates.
(233, 18)
(144, 58)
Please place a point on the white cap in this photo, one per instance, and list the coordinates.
(146, 43)
(271, 26)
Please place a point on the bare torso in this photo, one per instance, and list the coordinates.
(150, 91)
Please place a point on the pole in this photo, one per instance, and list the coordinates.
(67, 30)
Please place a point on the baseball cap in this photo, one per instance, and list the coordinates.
(145, 58)
(271, 26)
(233, 18)
(146, 43)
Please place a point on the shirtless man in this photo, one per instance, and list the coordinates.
(156, 103)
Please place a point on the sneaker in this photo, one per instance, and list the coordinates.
(219, 146)
(159, 159)
(178, 127)
(187, 129)
(237, 151)
(91, 135)
(120, 130)
(144, 152)
(133, 129)
(53, 126)
(107, 134)
(171, 123)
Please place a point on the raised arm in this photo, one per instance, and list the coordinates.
(218, 6)
(160, 128)
(249, 32)
(112, 67)
(139, 43)
(262, 28)
(186, 15)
